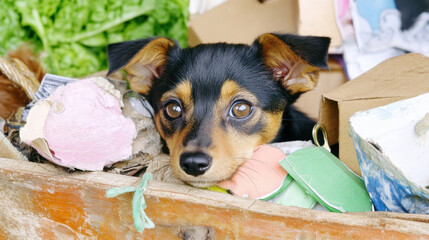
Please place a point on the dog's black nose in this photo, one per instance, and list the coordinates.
(195, 163)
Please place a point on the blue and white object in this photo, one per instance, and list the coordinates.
(378, 26)
(392, 146)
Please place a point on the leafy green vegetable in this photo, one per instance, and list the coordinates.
(12, 34)
(73, 34)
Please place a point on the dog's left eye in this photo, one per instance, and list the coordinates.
(173, 110)
(240, 109)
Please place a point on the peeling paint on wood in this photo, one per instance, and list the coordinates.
(40, 201)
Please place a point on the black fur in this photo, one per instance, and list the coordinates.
(295, 126)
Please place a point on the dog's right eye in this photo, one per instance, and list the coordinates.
(172, 110)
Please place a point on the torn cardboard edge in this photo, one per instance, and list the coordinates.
(34, 129)
(7, 150)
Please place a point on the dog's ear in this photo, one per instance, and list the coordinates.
(295, 61)
(143, 60)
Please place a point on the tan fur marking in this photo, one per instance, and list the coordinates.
(158, 125)
(144, 65)
(272, 127)
(276, 52)
(175, 144)
(230, 149)
(230, 90)
(302, 77)
(184, 93)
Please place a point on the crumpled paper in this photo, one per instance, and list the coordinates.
(81, 126)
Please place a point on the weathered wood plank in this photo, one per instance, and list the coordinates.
(40, 201)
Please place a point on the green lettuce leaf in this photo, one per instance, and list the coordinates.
(72, 35)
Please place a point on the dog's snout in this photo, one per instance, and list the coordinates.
(195, 164)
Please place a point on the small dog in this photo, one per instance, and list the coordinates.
(214, 103)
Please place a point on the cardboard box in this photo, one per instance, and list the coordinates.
(397, 78)
(241, 21)
(318, 18)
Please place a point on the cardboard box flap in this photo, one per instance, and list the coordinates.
(318, 18)
(386, 80)
(395, 79)
(241, 21)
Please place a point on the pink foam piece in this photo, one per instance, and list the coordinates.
(260, 176)
(85, 128)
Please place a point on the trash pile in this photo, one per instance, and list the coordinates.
(96, 123)
(90, 124)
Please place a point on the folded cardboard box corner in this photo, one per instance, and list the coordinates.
(397, 78)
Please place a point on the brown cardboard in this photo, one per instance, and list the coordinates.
(397, 78)
(318, 18)
(328, 81)
(241, 21)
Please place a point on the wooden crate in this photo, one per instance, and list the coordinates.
(40, 201)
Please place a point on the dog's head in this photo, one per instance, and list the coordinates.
(215, 103)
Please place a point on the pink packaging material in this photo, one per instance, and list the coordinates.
(260, 176)
(81, 126)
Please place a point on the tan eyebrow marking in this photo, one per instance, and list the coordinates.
(183, 91)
